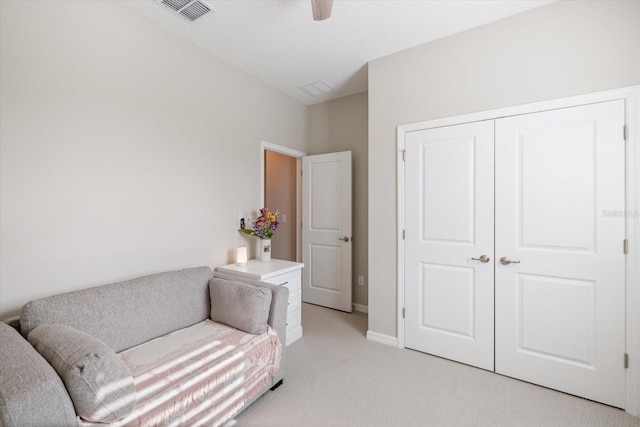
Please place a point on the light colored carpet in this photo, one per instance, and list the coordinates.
(336, 377)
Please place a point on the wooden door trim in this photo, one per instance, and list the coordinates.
(631, 95)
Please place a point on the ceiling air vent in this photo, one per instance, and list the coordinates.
(319, 87)
(189, 9)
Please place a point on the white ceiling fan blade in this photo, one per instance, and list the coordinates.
(321, 9)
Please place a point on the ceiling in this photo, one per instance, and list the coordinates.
(279, 43)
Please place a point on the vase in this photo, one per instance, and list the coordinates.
(265, 250)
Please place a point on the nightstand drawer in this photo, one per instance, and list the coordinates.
(295, 300)
(294, 320)
(290, 280)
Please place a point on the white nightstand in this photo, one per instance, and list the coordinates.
(277, 272)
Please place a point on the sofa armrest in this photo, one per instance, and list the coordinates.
(279, 302)
(277, 313)
(31, 393)
(14, 322)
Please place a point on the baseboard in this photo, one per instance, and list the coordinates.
(382, 338)
(361, 308)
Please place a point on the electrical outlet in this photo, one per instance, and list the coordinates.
(360, 280)
(283, 218)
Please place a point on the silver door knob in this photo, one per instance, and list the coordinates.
(506, 261)
(345, 238)
(483, 258)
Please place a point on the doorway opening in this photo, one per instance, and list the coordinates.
(281, 187)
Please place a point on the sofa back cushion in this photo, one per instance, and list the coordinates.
(100, 385)
(126, 314)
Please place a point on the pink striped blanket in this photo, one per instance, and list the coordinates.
(201, 375)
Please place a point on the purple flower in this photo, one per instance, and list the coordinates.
(266, 224)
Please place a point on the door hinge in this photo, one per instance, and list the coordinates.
(625, 246)
(404, 234)
(626, 361)
(403, 153)
(624, 132)
(403, 313)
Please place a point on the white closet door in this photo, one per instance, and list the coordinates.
(449, 221)
(560, 311)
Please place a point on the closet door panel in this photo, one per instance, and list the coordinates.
(560, 317)
(449, 221)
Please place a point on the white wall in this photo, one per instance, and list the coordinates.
(341, 125)
(124, 149)
(563, 49)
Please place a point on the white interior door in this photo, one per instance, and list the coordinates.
(449, 222)
(326, 230)
(560, 310)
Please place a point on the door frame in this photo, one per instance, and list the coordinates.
(631, 95)
(268, 146)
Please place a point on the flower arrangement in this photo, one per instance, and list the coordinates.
(265, 225)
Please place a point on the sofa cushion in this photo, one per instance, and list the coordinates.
(126, 314)
(227, 296)
(31, 393)
(100, 385)
(279, 304)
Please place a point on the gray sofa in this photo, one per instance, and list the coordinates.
(177, 348)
